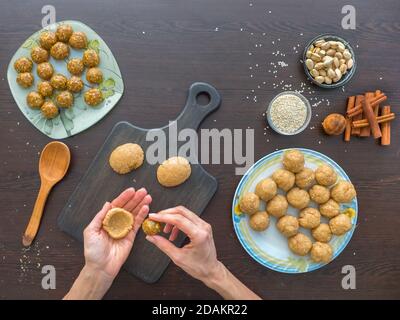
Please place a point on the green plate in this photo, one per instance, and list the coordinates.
(81, 116)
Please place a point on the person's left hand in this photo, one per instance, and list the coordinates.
(104, 254)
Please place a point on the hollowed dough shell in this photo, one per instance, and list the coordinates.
(118, 222)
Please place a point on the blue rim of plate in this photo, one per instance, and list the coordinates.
(250, 251)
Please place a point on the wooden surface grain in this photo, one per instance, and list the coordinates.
(164, 46)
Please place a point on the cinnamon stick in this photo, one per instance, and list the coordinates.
(385, 127)
(381, 119)
(347, 131)
(376, 109)
(358, 108)
(373, 123)
(356, 131)
(366, 131)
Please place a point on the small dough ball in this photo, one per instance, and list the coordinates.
(343, 192)
(94, 75)
(45, 88)
(25, 79)
(58, 81)
(330, 209)
(309, 218)
(266, 189)
(64, 32)
(75, 66)
(75, 84)
(90, 58)
(93, 97)
(249, 203)
(78, 40)
(293, 160)
(322, 233)
(321, 252)
(277, 206)
(118, 223)
(47, 39)
(298, 198)
(65, 99)
(23, 64)
(45, 70)
(284, 179)
(150, 227)
(288, 226)
(340, 224)
(49, 110)
(126, 157)
(319, 194)
(305, 178)
(34, 100)
(259, 221)
(173, 171)
(300, 244)
(39, 55)
(59, 51)
(325, 175)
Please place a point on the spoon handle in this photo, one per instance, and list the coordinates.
(34, 222)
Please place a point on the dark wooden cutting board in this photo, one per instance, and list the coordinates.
(101, 183)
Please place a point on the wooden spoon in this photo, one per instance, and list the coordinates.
(53, 164)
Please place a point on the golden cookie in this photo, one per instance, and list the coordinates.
(118, 222)
(126, 157)
(173, 172)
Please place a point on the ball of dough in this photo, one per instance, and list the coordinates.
(90, 58)
(298, 198)
(49, 110)
(309, 218)
(343, 192)
(93, 97)
(319, 194)
(64, 32)
(65, 99)
(45, 88)
(325, 175)
(126, 157)
(47, 39)
(284, 179)
(94, 75)
(288, 226)
(300, 244)
(78, 40)
(34, 100)
(150, 227)
(75, 66)
(58, 81)
(259, 221)
(322, 233)
(321, 252)
(75, 84)
(330, 209)
(25, 79)
(266, 189)
(39, 55)
(59, 51)
(173, 172)
(45, 70)
(23, 64)
(340, 224)
(305, 178)
(118, 222)
(277, 206)
(249, 203)
(293, 160)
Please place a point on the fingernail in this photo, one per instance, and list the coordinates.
(143, 189)
(152, 214)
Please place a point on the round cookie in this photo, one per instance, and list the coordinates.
(118, 222)
(259, 221)
(150, 227)
(126, 157)
(266, 189)
(173, 172)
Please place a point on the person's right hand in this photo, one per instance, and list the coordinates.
(199, 257)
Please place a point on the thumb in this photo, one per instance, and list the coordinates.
(97, 221)
(164, 245)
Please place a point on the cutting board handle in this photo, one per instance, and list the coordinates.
(194, 113)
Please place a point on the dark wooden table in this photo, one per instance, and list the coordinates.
(164, 46)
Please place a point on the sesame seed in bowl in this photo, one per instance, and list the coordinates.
(289, 113)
